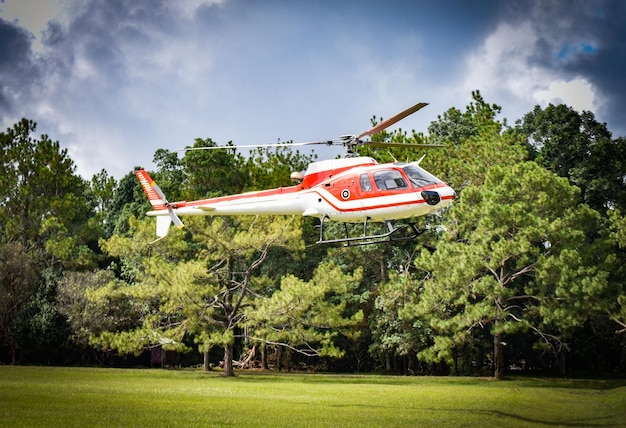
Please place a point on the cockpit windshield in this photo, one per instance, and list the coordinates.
(420, 177)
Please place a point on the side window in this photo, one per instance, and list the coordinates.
(366, 184)
(389, 180)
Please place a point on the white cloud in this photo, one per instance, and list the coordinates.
(188, 8)
(501, 61)
(578, 94)
(505, 68)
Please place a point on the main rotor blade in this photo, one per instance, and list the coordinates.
(344, 140)
(404, 145)
(246, 146)
(386, 123)
(254, 146)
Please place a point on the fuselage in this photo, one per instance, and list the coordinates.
(345, 190)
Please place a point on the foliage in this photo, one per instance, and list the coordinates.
(574, 145)
(18, 284)
(393, 333)
(44, 205)
(84, 317)
(103, 187)
(519, 255)
(197, 288)
(617, 311)
(517, 259)
(41, 330)
(212, 172)
(307, 316)
(475, 142)
(270, 167)
(48, 221)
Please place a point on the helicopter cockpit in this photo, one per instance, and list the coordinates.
(393, 179)
(420, 177)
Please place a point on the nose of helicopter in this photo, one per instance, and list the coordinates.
(435, 197)
(431, 197)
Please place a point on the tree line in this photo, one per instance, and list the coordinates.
(524, 272)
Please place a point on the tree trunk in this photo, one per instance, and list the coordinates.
(13, 352)
(498, 345)
(228, 360)
(563, 361)
(498, 357)
(264, 364)
(622, 360)
(207, 367)
(251, 356)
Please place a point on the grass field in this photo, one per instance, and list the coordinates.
(65, 397)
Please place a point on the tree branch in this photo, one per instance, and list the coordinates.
(621, 323)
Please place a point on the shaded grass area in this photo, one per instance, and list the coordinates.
(51, 396)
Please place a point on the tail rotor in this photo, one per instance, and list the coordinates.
(159, 203)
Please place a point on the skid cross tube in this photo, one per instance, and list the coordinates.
(365, 239)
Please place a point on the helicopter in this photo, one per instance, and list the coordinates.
(350, 190)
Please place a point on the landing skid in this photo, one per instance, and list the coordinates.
(403, 232)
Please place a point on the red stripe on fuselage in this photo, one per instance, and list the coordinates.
(387, 193)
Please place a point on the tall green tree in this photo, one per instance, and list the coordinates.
(198, 288)
(520, 254)
(576, 146)
(270, 167)
(307, 316)
(618, 233)
(171, 174)
(44, 204)
(212, 172)
(87, 318)
(103, 190)
(18, 284)
(392, 334)
(476, 141)
(102, 187)
(47, 211)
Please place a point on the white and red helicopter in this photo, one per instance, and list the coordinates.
(354, 189)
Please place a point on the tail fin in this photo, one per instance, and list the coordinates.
(162, 226)
(159, 203)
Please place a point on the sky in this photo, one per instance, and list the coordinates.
(115, 80)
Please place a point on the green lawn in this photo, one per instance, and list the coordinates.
(64, 397)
